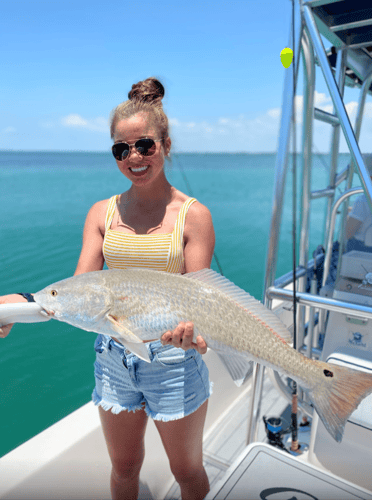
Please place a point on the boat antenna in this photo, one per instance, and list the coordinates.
(294, 445)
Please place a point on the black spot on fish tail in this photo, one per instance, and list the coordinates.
(339, 395)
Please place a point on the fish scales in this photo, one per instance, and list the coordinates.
(136, 305)
(190, 300)
(206, 307)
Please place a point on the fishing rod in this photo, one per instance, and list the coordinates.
(191, 194)
(294, 426)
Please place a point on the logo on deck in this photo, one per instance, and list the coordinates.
(357, 340)
(271, 493)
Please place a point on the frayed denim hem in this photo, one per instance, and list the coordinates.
(114, 407)
(177, 416)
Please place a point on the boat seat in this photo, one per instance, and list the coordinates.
(368, 237)
(268, 473)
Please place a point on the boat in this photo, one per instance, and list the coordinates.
(248, 451)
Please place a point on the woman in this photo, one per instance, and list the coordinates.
(147, 226)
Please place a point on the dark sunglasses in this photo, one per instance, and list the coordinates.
(145, 147)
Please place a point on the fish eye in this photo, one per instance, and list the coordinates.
(54, 293)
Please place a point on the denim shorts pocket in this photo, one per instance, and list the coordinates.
(98, 344)
(174, 356)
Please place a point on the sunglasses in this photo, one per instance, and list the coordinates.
(145, 147)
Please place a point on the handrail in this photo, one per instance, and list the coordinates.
(358, 125)
(341, 199)
(325, 117)
(287, 278)
(307, 299)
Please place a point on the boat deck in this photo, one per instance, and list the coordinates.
(226, 441)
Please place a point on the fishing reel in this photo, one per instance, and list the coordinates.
(275, 432)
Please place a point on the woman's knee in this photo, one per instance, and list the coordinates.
(128, 467)
(124, 434)
(185, 472)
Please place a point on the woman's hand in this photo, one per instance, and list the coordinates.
(182, 337)
(9, 299)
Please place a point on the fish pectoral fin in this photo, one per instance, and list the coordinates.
(128, 338)
(140, 350)
(118, 325)
(239, 367)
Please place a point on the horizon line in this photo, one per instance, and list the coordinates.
(174, 153)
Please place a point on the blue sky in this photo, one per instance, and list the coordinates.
(66, 65)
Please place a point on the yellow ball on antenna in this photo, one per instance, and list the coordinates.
(286, 57)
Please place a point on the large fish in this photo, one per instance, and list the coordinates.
(136, 305)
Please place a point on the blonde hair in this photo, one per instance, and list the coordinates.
(145, 97)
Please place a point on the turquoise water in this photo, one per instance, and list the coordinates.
(47, 368)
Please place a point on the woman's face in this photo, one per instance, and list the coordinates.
(129, 131)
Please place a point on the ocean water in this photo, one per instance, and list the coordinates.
(47, 368)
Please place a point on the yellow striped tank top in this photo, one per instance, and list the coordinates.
(163, 252)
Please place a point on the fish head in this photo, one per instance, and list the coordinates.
(79, 301)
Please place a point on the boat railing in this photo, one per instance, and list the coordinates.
(307, 299)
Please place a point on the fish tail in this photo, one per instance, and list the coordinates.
(339, 395)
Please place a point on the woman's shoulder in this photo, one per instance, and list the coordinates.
(98, 213)
(100, 207)
(198, 220)
(196, 208)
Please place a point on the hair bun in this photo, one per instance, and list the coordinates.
(149, 90)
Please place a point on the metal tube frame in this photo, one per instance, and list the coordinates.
(329, 244)
(344, 197)
(355, 310)
(335, 142)
(312, 39)
(358, 125)
(338, 102)
(307, 142)
(281, 166)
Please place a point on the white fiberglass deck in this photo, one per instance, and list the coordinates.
(69, 460)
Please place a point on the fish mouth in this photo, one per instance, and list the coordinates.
(46, 312)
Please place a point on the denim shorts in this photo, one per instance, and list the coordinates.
(172, 386)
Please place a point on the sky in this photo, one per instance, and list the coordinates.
(66, 64)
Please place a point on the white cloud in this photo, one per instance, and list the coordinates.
(368, 110)
(47, 124)
(321, 99)
(261, 133)
(9, 130)
(239, 132)
(74, 121)
(274, 113)
(174, 122)
(99, 124)
(351, 108)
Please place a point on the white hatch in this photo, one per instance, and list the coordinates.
(263, 472)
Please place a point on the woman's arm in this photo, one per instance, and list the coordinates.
(198, 251)
(198, 254)
(91, 256)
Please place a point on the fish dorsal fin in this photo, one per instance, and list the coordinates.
(253, 306)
